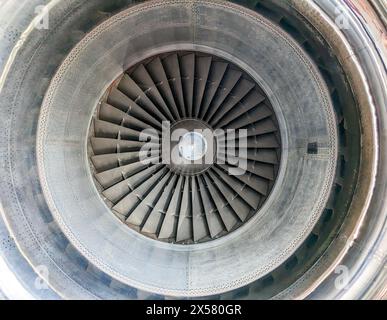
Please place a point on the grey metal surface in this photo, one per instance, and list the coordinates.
(39, 240)
(132, 184)
(290, 212)
(13, 23)
(361, 247)
(364, 251)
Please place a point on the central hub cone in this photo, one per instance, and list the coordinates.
(192, 146)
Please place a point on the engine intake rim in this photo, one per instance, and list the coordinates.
(243, 255)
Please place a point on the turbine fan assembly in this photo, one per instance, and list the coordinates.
(193, 149)
(188, 202)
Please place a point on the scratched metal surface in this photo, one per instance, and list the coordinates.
(88, 275)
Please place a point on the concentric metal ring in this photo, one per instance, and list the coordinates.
(286, 217)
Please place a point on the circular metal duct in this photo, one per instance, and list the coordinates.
(208, 103)
(316, 199)
(284, 221)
